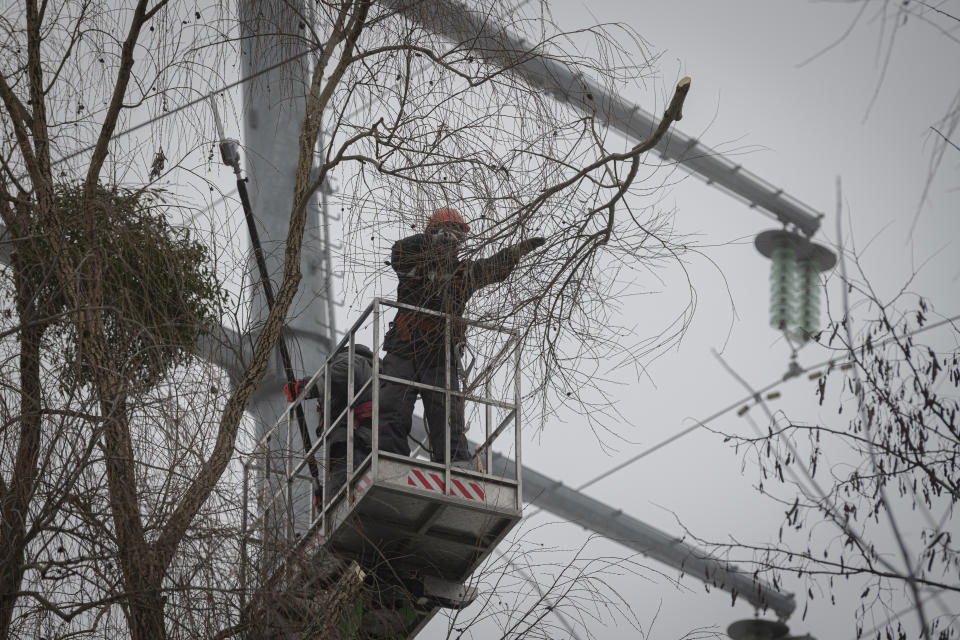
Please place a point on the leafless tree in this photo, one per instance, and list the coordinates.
(869, 497)
(134, 471)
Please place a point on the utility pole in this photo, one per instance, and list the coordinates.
(273, 111)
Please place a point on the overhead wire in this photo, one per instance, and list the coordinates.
(183, 106)
(808, 484)
(703, 422)
(211, 205)
(195, 101)
(596, 479)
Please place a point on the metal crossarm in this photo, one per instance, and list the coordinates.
(498, 46)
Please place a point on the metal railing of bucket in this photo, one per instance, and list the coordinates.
(288, 464)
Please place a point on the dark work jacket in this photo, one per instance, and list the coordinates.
(363, 360)
(425, 281)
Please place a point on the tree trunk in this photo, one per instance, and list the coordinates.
(15, 499)
(138, 562)
(145, 617)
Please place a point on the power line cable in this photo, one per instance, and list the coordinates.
(183, 106)
(222, 199)
(730, 407)
(210, 94)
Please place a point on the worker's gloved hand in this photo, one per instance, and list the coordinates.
(292, 391)
(526, 246)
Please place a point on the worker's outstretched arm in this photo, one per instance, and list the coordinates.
(497, 267)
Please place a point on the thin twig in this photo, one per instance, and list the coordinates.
(945, 138)
(861, 408)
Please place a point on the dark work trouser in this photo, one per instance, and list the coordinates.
(337, 474)
(397, 401)
(338, 464)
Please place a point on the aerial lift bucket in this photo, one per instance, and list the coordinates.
(405, 533)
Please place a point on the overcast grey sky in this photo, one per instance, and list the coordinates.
(798, 126)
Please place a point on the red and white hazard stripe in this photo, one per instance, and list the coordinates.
(434, 482)
(362, 485)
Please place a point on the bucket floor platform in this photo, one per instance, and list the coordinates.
(416, 541)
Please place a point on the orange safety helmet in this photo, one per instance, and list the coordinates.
(447, 214)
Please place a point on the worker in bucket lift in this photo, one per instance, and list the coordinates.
(432, 275)
(363, 362)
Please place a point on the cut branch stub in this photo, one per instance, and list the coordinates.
(675, 110)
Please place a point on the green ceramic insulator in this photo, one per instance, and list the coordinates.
(808, 311)
(783, 289)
